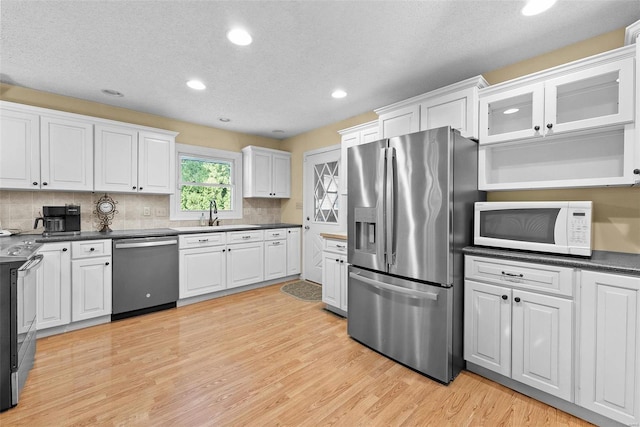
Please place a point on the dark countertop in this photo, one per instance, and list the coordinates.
(605, 261)
(149, 232)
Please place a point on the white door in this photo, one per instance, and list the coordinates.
(90, 288)
(245, 264)
(19, 149)
(155, 163)
(116, 159)
(323, 210)
(54, 285)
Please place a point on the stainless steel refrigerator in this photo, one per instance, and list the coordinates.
(410, 213)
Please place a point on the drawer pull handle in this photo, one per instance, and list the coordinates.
(92, 249)
(203, 240)
(246, 237)
(512, 274)
(275, 234)
(340, 246)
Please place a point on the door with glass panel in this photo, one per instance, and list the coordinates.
(323, 209)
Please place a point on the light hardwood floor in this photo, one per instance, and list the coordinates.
(259, 358)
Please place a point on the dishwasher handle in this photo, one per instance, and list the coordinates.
(124, 244)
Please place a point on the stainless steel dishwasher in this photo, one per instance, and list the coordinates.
(145, 275)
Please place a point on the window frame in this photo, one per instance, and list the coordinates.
(208, 154)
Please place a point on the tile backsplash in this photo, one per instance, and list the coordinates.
(18, 210)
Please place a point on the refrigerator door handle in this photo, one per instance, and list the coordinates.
(398, 289)
(390, 207)
(380, 233)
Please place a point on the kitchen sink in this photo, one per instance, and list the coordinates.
(214, 227)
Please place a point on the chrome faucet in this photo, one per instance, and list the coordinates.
(213, 209)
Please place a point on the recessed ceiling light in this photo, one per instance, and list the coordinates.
(511, 111)
(240, 37)
(196, 84)
(112, 92)
(339, 93)
(535, 7)
(224, 119)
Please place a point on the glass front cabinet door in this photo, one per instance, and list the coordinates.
(590, 97)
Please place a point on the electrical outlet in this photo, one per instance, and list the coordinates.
(146, 211)
(161, 211)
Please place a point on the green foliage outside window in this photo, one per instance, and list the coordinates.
(203, 181)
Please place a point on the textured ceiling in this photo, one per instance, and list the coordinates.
(380, 52)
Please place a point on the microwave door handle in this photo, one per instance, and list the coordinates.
(380, 233)
(390, 207)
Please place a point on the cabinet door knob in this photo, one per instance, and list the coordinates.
(224, 250)
(636, 171)
(536, 128)
(517, 299)
(45, 183)
(140, 188)
(306, 227)
(341, 261)
(106, 263)
(92, 249)
(64, 249)
(549, 125)
(35, 183)
(504, 297)
(337, 260)
(134, 187)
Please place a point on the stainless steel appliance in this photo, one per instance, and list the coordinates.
(556, 227)
(59, 220)
(410, 212)
(145, 275)
(18, 302)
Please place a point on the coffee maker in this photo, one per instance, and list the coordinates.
(59, 220)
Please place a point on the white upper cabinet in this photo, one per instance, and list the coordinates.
(350, 137)
(116, 167)
(131, 160)
(66, 152)
(266, 172)
(455, 105)
(19, 149)
(591, 97)
(156, 169)
(570, 126)
(54, 150)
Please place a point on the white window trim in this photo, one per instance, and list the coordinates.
(236, 180)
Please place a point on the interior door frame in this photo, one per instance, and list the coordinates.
(342, 221)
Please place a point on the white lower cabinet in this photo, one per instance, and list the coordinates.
(334, 275)
(245, 264)
(609, 337)
(202, 270)
(212, 262)
(54, 286)
(275, 259)
(91, 288)
(90, 279)
(293, 251)
(520, 334)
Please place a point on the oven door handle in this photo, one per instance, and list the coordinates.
(30, 265)
(398, 289)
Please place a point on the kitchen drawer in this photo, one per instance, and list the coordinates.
(275, 234)
(539, 277)
(335, 245)
(201, 240)
(90, 248)
(245, 236)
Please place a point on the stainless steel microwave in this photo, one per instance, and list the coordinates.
(555, 227)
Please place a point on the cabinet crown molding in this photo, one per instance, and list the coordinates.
(631, 33)
(358, 128)
(75, 116)
(477, 82)
(561, 70)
